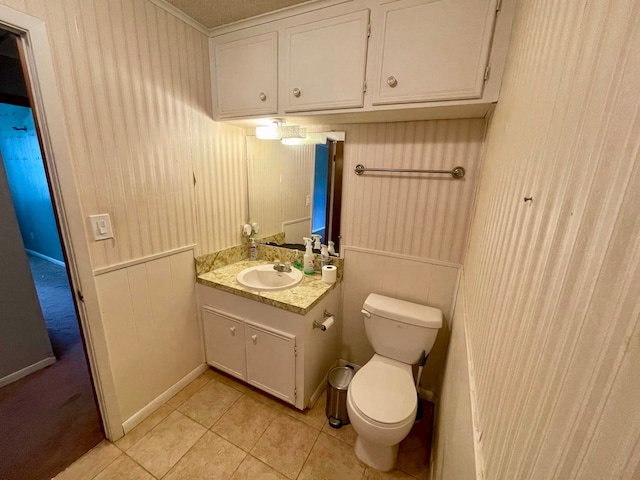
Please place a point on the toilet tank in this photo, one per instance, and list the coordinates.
(398, 329)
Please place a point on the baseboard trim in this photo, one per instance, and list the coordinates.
(44, 257)
(23, 372)
(152, 406)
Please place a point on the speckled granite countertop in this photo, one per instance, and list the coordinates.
(300, 299)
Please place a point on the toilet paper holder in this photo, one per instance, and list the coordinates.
(319, 325)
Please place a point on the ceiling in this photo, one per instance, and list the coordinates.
(213, 13)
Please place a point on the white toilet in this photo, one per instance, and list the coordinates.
(381, 399)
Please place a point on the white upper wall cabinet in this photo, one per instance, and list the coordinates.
(323, 62)
(245, 75)
(351, 61)
(431, 50)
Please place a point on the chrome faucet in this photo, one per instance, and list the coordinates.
(281, 267)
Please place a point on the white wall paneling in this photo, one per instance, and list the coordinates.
(553, 285)
(152, 327)
(454, 445)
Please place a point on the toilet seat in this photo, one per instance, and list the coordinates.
(383, 392)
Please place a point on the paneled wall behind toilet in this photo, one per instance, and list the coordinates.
(403, 235)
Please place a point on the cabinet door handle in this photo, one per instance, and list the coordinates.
(254, 338)
(232, 330)
(392, 81)
(263, 97)
(297, 92)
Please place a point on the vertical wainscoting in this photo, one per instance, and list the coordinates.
(454, 444)
(553, 284)
(408, 278)
(152, 328)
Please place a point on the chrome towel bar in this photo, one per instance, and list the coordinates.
(457, 172)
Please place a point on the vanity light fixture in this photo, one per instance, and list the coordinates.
(278, 131)
(308, 139)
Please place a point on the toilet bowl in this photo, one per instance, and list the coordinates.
(382, 400)
(382, 406)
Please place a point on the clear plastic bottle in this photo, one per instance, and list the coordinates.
(253, 250)
(297, 261)
(324, 256)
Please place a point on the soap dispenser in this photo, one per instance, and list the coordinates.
(308, 258)
(331, 249)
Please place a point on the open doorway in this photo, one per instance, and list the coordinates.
(48, 411)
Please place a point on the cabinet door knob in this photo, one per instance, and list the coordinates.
(263, 97)
(254, 338)
(232, 330)
(297, 92)
(392, 81)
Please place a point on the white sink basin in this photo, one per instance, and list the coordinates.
(265, 278)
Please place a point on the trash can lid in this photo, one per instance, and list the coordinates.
(340, 377)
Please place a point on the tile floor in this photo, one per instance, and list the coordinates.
(220, 428)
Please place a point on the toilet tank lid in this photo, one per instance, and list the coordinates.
(403, 311)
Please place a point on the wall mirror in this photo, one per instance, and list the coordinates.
(296, 189)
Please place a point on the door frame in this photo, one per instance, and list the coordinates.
(44, 90)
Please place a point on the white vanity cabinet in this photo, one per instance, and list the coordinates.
(275, 350)
(323, 62)
(224, 337)
(271, 361)
(425, 50)
(245, 73)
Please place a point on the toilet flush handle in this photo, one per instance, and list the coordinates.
(365, 313)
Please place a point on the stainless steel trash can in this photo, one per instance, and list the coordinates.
(337, 384)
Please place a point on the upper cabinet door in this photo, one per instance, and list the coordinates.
(431, 50)
(324, 63)
(245, 75)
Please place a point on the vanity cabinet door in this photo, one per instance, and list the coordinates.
(245, 75)
(324, 63)
(271, 361)
(431, 50)
(224, 343)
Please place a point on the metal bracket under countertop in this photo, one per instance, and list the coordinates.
(457, 172)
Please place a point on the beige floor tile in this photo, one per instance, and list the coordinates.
(144, 427)
(331, 459)
(162, 447)
(123, 468)
(187, 392)
(245, 422)
(373, 474)
(91, 463)
(315, 417)
(212, 457)
(232, 382)
(210, 403)
(285, 445)
(346, 433)
(253, 469)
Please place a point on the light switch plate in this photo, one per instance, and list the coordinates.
(101, 226)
